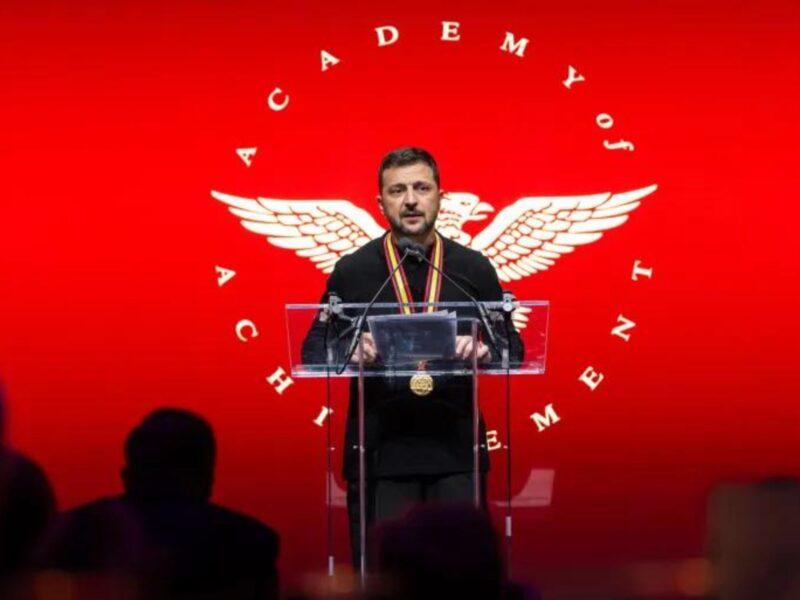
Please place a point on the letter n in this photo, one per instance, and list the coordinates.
(624, 325)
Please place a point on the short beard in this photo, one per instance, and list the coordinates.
(400, 230)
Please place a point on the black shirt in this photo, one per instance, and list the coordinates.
(407, 434)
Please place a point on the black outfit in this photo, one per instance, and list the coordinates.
(27, 505)
(172, 547)
(407, 436)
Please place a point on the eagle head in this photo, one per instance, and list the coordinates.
(455, 210)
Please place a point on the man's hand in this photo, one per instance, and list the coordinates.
(464, 349)
(370, 351)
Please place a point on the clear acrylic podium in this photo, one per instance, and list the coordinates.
(322, 344)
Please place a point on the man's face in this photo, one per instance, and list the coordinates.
(410, 200)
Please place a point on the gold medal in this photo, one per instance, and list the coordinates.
(421, 383)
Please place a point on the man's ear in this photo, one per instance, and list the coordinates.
(380, 204)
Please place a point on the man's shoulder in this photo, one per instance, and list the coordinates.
(242, 527)
(109, 507)
(367, 253)
(460, 252)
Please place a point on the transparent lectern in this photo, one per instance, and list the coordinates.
(415, 345)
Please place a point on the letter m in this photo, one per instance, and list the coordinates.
(513, 46)
(543, 422)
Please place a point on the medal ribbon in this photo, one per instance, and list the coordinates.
(433, 285)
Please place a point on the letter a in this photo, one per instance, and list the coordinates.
(224, 275)
(247, 154)
(328, 60)
(382, 31)
(514, 47)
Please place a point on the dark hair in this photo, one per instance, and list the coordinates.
(171, 450)
(441, 551)
(2, 411)
(402, 157)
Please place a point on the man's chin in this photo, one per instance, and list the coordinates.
(417, 231)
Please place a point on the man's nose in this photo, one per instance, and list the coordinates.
(410, 197)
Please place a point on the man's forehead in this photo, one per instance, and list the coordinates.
(408, 174)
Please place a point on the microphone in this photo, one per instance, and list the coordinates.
(418, 252)
(509, 303)
(333, 310)
(362, 320)
(413, 249)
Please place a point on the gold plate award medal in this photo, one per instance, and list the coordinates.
(421, 382)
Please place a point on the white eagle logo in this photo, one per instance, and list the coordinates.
(524, 238)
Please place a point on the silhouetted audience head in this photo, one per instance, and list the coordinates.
(2, 414)
(170, 454)
(440, 551)
(26, 506)
(754, 540)
(164, 538)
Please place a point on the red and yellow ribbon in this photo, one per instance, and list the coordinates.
(433, 285)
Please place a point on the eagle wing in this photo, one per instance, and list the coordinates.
(321, 230)
(531, 234)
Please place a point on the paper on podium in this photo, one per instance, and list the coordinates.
(403, 339)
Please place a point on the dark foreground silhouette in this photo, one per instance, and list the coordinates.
(443, 551)
(163, 538)
(27, 506)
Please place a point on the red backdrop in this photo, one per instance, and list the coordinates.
(119, 119)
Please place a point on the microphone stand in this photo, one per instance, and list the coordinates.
(361, 321)
(330, 316)
(418, 252)
(358, 326)
(508, 307)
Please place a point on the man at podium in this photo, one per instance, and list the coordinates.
(418, 429)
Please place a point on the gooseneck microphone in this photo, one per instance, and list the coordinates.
(362, 320)
(417, 251)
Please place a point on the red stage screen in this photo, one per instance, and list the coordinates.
(121, 119)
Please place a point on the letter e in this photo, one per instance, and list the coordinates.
(591, 378)
(450, 31)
